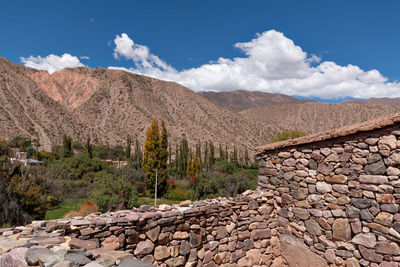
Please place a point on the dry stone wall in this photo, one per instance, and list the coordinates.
(341, 195)
(220, 232)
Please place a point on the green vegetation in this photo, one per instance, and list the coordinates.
(77, 179)
(63, 208)
(286, 135)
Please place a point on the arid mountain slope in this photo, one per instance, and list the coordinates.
(108, 105)
(240, 99)
(28, 111)
(376, 101)
(312, 117)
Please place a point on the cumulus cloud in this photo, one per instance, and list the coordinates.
(84, 57)
(271, 62)
(52, 63)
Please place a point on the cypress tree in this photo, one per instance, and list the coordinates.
(196, 166)
(169, 155)
(189, 169)
(67, 146)
(128, 148)
(163, 167)
(212, 154)
(226, 153)
(177, 162)
(220, 152)
(205, 161)
(246, 157)
(138, 154)
(89, 148)
(151, 154)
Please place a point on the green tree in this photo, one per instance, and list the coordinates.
(138, 154)
(89, 148)
(67, 146)
(111, 192)
(128, 148)
(163, 165)
(151, 154)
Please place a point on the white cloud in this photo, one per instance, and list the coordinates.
(271, 63)
(52, 63)
(84, 57)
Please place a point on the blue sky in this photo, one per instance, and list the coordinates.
(187, 35)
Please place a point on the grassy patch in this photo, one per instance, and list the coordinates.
(150, 201)
(64, 208)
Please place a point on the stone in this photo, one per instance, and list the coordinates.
(336, 179)
(394, 159)
(391, 208)
(106, 262)
(296, 253)
(330, 255)
(135, 263)
(161, 252)
(352, 262)
(387, 248)
(79, 243)
(184, 248)
(114, 242)
(325, 168)
(312, 164)
(384, 218)
(366, 215)
(373, 179)
(153, 233)
(385, 198)
(180, 235)
(300, 213)
(341, 230)
(352, 212)
(367, 240)
(221, 232)
(323, 187)
(391, 171)
(313, 227)
(300, 193)
(144, 247)
(176, 261)
(361, 203)
(375, 168)
(14, 258)
(370, 255)
(8, 244)
(77, 258)
(260, 234)
(66, 263)
(387, 142)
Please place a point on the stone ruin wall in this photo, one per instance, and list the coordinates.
(340, 196)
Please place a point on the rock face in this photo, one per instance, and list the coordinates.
(296, 253)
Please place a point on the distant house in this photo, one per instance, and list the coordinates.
(117, 163)
(22, 157)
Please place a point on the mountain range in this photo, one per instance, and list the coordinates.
(108, 105)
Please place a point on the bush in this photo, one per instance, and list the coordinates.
(225, 166)
(87, 208)
(286, 135)
(111, 192)
(74, 168)
(209, 187)
(176, 194)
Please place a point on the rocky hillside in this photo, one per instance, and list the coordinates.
(108, 105)
(376, 101)
(240, 99)
(312, 117)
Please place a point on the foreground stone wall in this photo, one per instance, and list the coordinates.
(219, 232)
(341, 195)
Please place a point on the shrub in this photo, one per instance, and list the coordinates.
(111, 192)
(176, 194)
(87, 208)
(225, 166)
